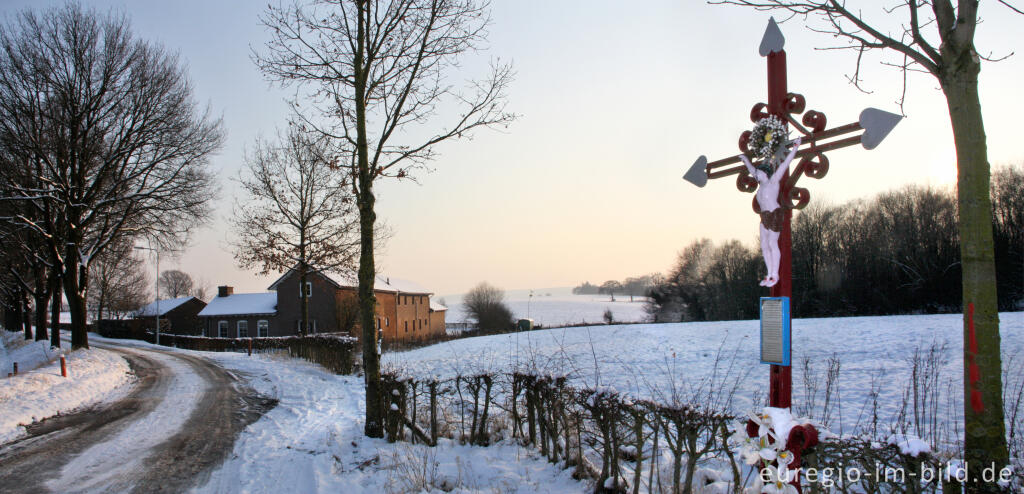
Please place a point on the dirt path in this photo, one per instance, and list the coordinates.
(177, 424)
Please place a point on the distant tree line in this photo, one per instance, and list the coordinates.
(632, 286)
(897, 253)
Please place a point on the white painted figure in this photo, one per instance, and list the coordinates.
(772, 214)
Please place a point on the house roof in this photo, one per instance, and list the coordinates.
(241, 303)
(436, 307)
(381, 283)
(165, 306)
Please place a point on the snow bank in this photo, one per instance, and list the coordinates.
(93, 375)
(28, 354)
(312, 441)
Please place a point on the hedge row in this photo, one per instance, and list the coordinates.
(623, 445)
(335, 353)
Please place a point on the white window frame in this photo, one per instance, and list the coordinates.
(262, 328)
(222, 329)
(239, 328)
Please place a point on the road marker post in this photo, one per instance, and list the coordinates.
(63, 367)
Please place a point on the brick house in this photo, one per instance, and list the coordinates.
(242, 315)
(404, 309)
(177, 315)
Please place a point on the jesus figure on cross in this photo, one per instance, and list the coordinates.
(769, 174)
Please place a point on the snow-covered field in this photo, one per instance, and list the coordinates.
(559, 307)
(657, 360)
(39, 391)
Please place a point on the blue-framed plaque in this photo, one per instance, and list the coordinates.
(775, 331)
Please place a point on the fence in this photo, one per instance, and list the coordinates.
(622, 445)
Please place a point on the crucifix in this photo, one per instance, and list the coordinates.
(808, 152)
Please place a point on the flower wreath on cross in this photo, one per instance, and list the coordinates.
(768, 139)
(777, 441)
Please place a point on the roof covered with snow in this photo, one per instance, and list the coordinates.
(436, 307)
(241, 303)
(164, 305)
(381, 283)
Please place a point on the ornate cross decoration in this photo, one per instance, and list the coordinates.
(869, 130)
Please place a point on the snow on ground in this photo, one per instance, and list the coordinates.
(653, 360)
(312, 441)
(29, 354)
(94, 375)
(560, 308)
(119, 454)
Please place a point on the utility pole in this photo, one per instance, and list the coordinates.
(157, 251)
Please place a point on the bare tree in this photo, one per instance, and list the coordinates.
(298, 212)
(610, 287)
(937, 38)
(109, 124)
(375, 73)
(175, 283)
(118, 282)
(485, 304)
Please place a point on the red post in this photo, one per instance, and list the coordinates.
(781, 378)
(63, 367)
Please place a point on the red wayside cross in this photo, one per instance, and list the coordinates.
(870, 129)
(817, 139)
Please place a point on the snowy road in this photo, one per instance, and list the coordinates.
(167, 435)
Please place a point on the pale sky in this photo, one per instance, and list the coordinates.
(617, 100)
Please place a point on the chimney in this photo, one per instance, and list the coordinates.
(224, 291)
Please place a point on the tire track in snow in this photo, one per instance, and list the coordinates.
(179, 422)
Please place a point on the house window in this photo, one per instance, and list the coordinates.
(309, 290)
(262, 328)
(243, 329)
(378, 323)
(406, 326)
(385, 321)
(312, 324)
(222, 329)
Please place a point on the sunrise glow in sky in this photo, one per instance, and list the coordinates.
(616, 99)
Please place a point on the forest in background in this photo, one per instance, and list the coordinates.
(896, 253)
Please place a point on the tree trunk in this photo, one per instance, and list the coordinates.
(984, 428)
(40, 302)
(75, 281)
(55, 289)
(26, 318)
(374, 426)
